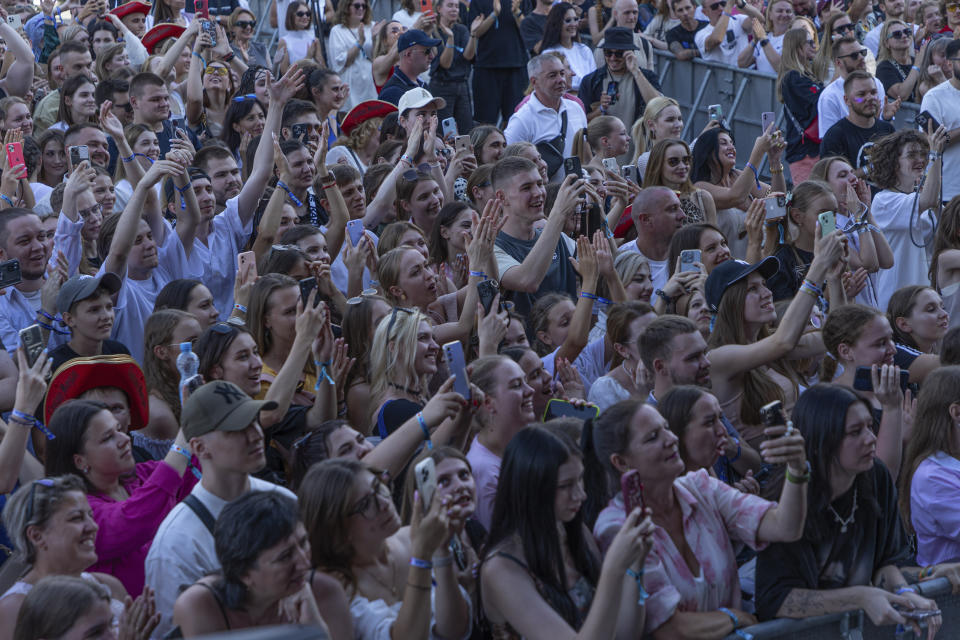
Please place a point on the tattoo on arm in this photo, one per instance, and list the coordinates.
(803, 603)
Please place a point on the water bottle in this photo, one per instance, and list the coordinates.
(187, 364)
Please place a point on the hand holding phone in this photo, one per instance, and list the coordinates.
(426, 475)
(828, 223)
(571, 166)
(453, 353)
(688, 260)
(632, 490)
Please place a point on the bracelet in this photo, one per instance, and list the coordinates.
(660, 293)
(328, 186)
(736, 457)
(764, 42)
(733, 617)
(407, 159)
(914, 68)
(477, 274)
(756, 174)
(239, 307)
(7, 199)
(604, 301)
(129, 158)
(804, 479)
(194, 53)
(229, 57)
(927, 571)
(183, 188)
(813, 286)
(296, 201)
(322, 371)
(439, 563)
(26, 418)
(776, 171)
(933, 156)
(425, 429)
(904, 589)
(638, 576)
(588, 296)
(417, 586)
(420, 564)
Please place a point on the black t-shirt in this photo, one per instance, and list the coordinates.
(501, 47)
(460, 66)
(852, 142)
(836, 559)
(63, 353)
(785, 283)
(685, 37)
(890, 73)
(800, 95)
(532, 30)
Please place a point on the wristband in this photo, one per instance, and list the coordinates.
(813, 286)
(129, 158)
(425, 429)
(7, 199)
(420, 564)
(660, 293)
(201, 58)
(736, 457)
(604, 301)
(733, 617)
(439, 563)
(322, 371)
(183, 188)
(293, 198)
(588, 296)
(804, 479)
(186, 454)
(903, 590)
(926, 571)
(47, 316)
(407, 159)
(477, 274)
(26, 418)
(756, 174)
(239, 307)
(638, 576)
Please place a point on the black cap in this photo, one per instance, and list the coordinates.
(619, 38)
(731, 272)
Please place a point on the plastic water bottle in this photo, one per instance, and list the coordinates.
(187, 364)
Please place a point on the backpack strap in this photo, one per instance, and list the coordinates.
(201, 510)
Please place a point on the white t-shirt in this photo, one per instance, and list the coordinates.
(658, 268)
(182, 551)
(759, 54)
(943, 103)
(581, 61)
(218, 258)
(891, 209)
(590, 363)
(405, 18)
(727, 52)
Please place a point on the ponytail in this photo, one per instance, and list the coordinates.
(581, 148)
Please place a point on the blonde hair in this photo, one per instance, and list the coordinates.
(883, 53)
(642, 135)
(393, 355)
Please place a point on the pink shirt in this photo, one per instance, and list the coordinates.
(486, 473)
(713, 513)
(127, 528)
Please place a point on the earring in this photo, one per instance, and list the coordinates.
(86, 470)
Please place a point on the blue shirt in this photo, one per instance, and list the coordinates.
(397, 85)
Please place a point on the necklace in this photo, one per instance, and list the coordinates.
(844, 523)
(400, 387)
(391, 587)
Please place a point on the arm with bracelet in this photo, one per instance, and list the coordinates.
(15, 461)
(332, 199)
(579, 331)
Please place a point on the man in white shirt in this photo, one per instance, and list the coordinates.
(657, 216)
(726, 40)
(848, 56)
(541, 118)
(221, 423)
(943, 104)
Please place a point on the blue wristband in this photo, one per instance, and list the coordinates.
(638, 576)
(420, 564)
(322, 371)
(425, 429)
(27, 418)
(296, 201)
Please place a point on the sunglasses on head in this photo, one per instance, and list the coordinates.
(411, 174)
(393, 318)
(613, 53)
(899, 33)
(246, 24)
(366, 293)
(856, 55)
(48, 483)
(953, 6)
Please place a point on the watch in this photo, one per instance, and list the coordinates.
(764, 42)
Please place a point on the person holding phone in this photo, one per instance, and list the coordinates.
(853, 526)
(669, 165)
(690, 573)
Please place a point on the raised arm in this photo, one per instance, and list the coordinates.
(336, 206)
(170, 58)
(188, 213)
(930, 195)
(112, 126)
(579, 330)
(19, 78)
(745, 184)
(30, 389)
(193, 105)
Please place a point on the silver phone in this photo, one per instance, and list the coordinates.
(426, 474)
(453, 352)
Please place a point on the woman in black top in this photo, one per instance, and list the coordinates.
(449, 70)
(895, 66)
(798, 89)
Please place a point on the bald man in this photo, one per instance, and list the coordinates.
(657, 216)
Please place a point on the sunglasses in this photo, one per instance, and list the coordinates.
(357, 5)
(217, 71)
(901, 33)
(679, 160)
(48, 483)
(246, 24)
(412, 174)
(613, 53)
(244, 98)
(393, 318)
(303, 14)
(846, 27)
(715, 6)
(366, 293)
(856, 55)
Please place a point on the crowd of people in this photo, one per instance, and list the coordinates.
(449, 327)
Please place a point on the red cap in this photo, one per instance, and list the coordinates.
(160, 33)
(79, 375)
(363, 112)
(135, 6)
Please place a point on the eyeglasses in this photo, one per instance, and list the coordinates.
(715, 6)
(366, 293)
(246, 24)
(217, 71)
(244, 98)
(901, 33)
(412, 174)
(393, 318)
(83, 213)
(192, 343)
(613, 53)
(126, 106)
(845, 27)
(678, 160)
(370, 505)
(303, 14)
(856, 55)
(48, 483)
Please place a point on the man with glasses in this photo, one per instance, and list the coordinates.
(852, 135)
(301, 121)
(891, 9)
(222, 425)
(726, 40)
(625, 14)
(117, 92)
(848, 56)
(620, 87)
(86, 305)
(417, 50)
(681, 40)
(942, 103)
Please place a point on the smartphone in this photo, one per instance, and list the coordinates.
(15, 21)
(10, 273)
(355, 229)
(15, 154)
(201, 8)
(487, 290)
(610, 164)
(632, 490)
(32, 340)
(193, 383)
(563, 409)
(775, 207)
(772, 414)
(426, 5)
(687, 259)
(300, 132)
(211, 30)
(863, 379)
(461, 143)
(453, 354)
(448, 127)
(613, 88)
(306, 286)
(426, 474)
(916, 614)
(78, 154)
(630, 173)
(248, 258)
(923, 119)
(571, 165)
(828, 223)
(715, 112)
(767, 118)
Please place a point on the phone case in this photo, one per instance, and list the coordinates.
(306, 286)
(15, 154)
(248, 257)
(10, 273)
(355, 229)
(487, 291)
(426, 475)
(32, 340)
(453, 352)
(449, 127)
(828, 223)
(632, 490)
(687, 259)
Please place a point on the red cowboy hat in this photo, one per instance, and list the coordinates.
(363, 112)
(160, 33)
(131, 7)
(79, 375)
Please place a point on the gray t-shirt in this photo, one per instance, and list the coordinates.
(510, 253)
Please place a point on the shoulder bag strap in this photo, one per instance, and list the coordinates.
(201, 510)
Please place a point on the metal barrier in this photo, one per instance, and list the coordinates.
(742, 93)
(854, 625)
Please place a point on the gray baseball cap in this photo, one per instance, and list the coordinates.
(81, 287)
(220, 406)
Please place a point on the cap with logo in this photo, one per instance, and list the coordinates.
(220, 406)
(80, 287)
